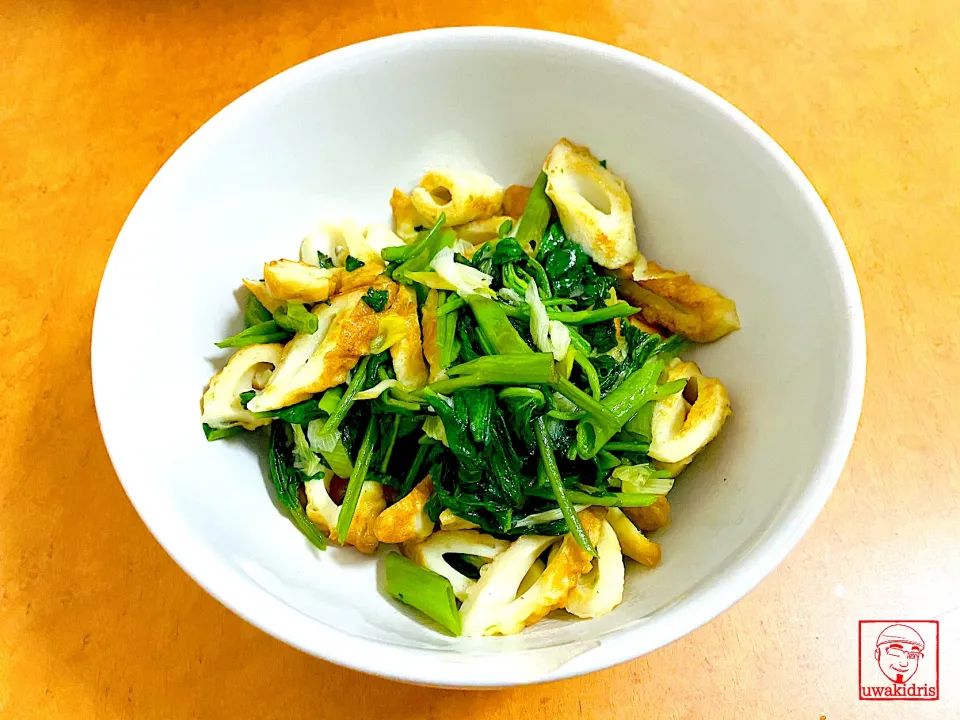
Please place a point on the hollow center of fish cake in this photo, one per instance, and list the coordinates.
(590, 190)
(441, 195)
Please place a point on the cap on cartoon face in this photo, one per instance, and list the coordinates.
(899, 649)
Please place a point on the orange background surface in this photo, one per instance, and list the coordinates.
(97, 622)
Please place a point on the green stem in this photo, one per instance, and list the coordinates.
(586, 317)
(590, 371)
(422, 589)
(522, 393)
(391, 441)
(627, 447)
(580, 317)
(293, 316)
(402, 253)
(623, 403)
(404, 396)
(413, 474)
(389, 399)
(532, 369)
(434, 242)
(485, 344)
(449, 348)
(352, 495)
(265, 332)
(441, 329)
(535, 216)
(513, 281)
(346, 400)
(608, 500)
(330, 398)
(566, 416)
(451, 305)
(543, 283)
(578, 343)
(496, 326)
(254, 312)
(637, 386)
(601, 416)
(559, 492)
(519, 313)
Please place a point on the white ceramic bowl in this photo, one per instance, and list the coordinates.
(330, 138)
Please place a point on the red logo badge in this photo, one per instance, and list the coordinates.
(899, 660)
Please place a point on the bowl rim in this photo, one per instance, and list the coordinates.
(430, 666)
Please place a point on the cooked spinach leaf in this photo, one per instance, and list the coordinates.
(376, 299)
(324, 260)
(352, 263)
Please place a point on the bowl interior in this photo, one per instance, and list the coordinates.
(330, 139)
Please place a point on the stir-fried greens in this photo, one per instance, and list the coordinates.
(478, 384)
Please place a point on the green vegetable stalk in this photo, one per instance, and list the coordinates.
(577, 342)
(447, 335)
(549, 463)
(327, 437)
(413, 474)
(391, 442)
(579, 317)
(352, 495)
(265, 332)
(496, 327)
(513, 281)
(591, 373)
(536, 215)
(417, 257)
(523, 394)
(623, 403)
(302, 412)
(586, 317)
(638, 389)
(485, 345)
(606, 500)
(627, 446)
(293, 316)
(598, 412)
(451, 305)
(402, 253)
(531, 369)
(254, 312)
(540, 276)
(422, 589)
(642, 478)
(397, 401)
(330, 399)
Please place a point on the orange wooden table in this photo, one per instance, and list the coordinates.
(97, 622)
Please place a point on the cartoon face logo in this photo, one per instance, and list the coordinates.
(899, 649)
